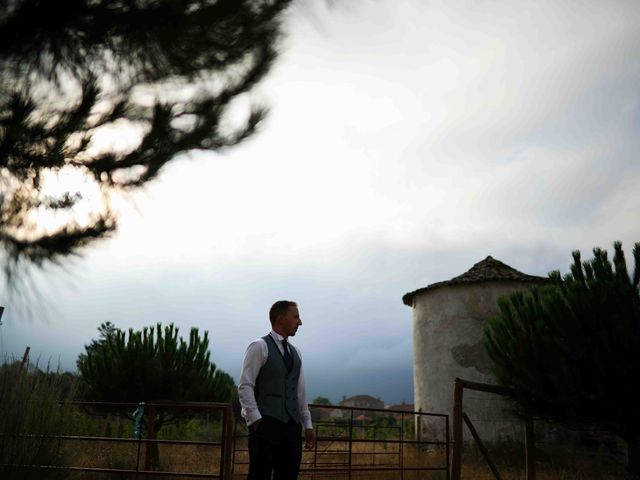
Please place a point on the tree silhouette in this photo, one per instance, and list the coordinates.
(106, 330)
(149, 366)
(74, 71)
(571, 351)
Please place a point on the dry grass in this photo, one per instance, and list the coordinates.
(202, 459)
(556, 465)
(29, 414)
(553, 463)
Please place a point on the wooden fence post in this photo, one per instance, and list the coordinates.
(25, 359)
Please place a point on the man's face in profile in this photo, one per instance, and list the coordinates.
(290, 321)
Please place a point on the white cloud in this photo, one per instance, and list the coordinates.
(407, 141)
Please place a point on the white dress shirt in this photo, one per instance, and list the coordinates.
(254, 359)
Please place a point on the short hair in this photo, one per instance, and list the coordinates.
(280, 308)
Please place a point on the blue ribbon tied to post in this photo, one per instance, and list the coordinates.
(137, 415)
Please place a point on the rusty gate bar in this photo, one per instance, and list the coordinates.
(456, 460)
(112, 470)
(120, 440)
(227, 449)
(483, 449)
(448, 447)
(235, 449)
(486, 387)
(459, 416)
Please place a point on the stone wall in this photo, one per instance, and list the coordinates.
(448, 333)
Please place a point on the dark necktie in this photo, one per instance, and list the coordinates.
(288, 358)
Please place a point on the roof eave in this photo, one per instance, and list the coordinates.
(407, 298)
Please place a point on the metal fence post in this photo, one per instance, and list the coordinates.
(456, 461)
(227, 443)
(402, 446)
(529, 449)
(448, 446)
(350, 441)
(315, 446)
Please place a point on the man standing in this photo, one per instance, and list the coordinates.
(274, 400)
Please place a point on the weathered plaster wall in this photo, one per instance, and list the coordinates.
(448, 332)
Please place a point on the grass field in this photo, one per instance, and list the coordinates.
(331, 460)
(556, 464)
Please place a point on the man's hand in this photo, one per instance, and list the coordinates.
(309, 438)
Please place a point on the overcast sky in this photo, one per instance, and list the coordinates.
(407, 141)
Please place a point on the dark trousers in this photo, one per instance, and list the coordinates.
(275, 447)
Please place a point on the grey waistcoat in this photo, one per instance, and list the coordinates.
(276, 389)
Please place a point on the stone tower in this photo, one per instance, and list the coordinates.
(449, 319)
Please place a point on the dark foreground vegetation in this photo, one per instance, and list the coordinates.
(571, 351)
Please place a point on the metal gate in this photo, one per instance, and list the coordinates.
(354, 441)
(133, 450)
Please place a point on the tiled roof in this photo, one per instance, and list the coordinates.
(488, 270)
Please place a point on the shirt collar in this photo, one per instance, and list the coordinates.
(276, 335)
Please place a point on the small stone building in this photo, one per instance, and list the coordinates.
(355, 402)
(362, 401)
(449, 319)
